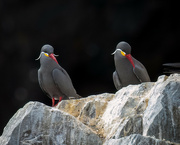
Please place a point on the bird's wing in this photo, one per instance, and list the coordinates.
(171, 68)
(175, 65)
(41, 83)
(63, 82)
(140, 71)
(116, 81)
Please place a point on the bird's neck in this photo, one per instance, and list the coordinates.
(129, 57)
(47, 62)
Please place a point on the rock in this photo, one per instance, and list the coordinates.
(37, 123)
(124, 113)
(137, 139)
(129, 110)
(148, 113)
(88, 110)
(162, 115)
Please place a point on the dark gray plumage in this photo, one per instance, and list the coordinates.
(170, 68)
(53, 79)
(128, 69)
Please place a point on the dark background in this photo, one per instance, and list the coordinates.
(84, 33)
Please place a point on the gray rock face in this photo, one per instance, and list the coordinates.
(150, 109)
(39, 124)
(162, 115)
(136, 139)
(144, 114)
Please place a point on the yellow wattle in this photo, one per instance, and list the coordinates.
(123, 53)
(46, 54)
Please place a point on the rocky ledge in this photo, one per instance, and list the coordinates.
(144, 114)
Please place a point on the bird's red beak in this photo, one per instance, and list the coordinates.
(53, 57)
(129, 57)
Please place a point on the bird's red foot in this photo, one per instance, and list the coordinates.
(53, 101)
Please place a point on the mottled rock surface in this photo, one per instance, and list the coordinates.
(144, 114)
(39, 124)
(137, 139)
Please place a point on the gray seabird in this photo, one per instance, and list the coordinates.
(128, 69)
(170, 68)
(53, 79)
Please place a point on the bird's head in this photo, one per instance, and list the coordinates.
(123, 47)
(124, 50)
(48, 51)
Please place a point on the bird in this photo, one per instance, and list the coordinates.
(128, 70)
(170, 68)
(53, 79)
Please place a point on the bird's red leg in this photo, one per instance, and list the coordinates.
(60, 98)
(53, 102)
